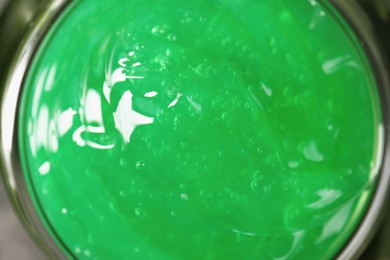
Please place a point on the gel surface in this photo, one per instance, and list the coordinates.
(200, 129)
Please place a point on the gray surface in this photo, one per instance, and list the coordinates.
(15, 243)
(379, 248)
(2, 3)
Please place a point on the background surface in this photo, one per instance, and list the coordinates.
(15, 243)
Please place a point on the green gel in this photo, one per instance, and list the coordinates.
(202, 129)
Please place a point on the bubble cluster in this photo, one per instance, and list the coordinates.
(200, 130)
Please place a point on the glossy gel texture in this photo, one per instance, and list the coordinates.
(200, 129)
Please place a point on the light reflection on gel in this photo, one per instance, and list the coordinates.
(200, 129)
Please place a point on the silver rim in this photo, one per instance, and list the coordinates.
(368, 226)
(10, 154)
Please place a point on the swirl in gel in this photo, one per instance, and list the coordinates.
(200, 129)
